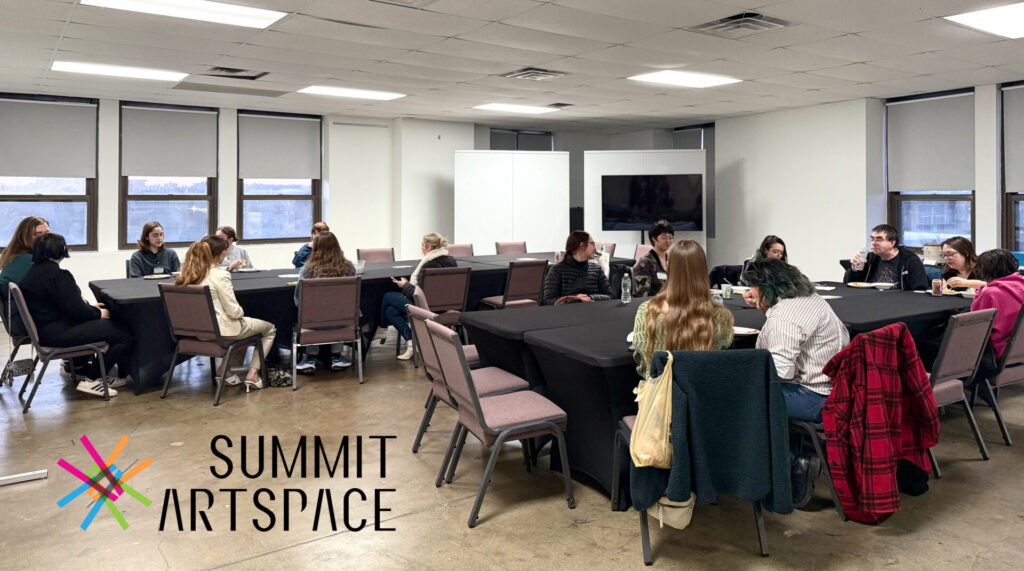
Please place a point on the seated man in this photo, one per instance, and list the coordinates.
(888, 263)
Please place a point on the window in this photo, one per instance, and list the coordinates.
(168, 172)
(48, 166)
(932, 216)
(513, 140)
(1013, 165)
(279, 188)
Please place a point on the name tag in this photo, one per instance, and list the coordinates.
(158, 270)
(662, 276)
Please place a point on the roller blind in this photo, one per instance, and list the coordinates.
(47, 139)
(688, 139)
(168, 142)
(271, 146)
(1013, 138)
(930, 144)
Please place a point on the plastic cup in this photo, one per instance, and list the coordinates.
(360, 265)
(864, 255)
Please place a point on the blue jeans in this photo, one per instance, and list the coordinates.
(802, 403)
(392, 312)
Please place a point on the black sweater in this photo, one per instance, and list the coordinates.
(570, 277)
(52, 295)
(911, 271)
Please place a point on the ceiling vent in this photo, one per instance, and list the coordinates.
(406, 3)
(740, 25)
(233, 73)
(534, 73)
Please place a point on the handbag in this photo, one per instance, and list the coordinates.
(649, 444)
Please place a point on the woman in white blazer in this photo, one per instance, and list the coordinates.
(200, 268)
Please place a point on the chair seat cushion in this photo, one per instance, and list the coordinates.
(521, 408)
(195, 346)
(317, 336)
(449, 318)
(472, 356)
(495, 381)
(629, 421)
(62, 354)
(494, 301)
(948, 392)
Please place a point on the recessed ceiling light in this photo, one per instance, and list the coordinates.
(1006, 21)
(352, 93)
(217, 12)
(685, 78)
(507, 108)
(118, 71)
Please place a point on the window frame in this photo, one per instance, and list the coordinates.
(124, 242)
(895, 200)
(314, 195)
(1008, 219)
(519, 132)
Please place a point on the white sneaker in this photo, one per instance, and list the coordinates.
(408, 352)
(94, 388)
(116, 383)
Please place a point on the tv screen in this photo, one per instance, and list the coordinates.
(634, 202)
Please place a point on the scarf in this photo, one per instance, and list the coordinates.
(435, 253)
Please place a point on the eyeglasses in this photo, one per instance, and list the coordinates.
(777, 252)
(948, 255)
(876, 239)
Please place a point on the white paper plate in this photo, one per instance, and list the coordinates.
(247, 270)
(863, 285)
(737, 330)
(157, 277)
(740, 289)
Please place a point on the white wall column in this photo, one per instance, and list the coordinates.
(988, 206)
(108, 174)
(227, 168)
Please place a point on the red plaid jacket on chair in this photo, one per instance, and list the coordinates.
(881, 411)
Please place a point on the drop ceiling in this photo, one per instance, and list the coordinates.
(449, 55)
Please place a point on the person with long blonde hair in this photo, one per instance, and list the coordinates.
(682, 316)
(201, 268)
(326, 260)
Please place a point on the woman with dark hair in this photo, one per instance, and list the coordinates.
(17, 257)
(326, 260)
(307, 248)
(151, 257)
(64, 319)
(681, 317)
(236, 256)
(1003, 291)
(576, 277)
(649, 273)
(771, 248)
(960, 267)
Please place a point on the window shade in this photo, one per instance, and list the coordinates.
(930, 144)
(1013, 139)
(278, 147)
(688, 139)
(168, 142)
(44, 139)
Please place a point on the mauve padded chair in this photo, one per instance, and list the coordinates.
(328, 314)
(524, 284)
(489, 380)
(510, 247)
(460, 250)
(959, 355)
(609, 248)
(446, 291)
(494, 419)
(13, 367)
(1010, 371)
(641, 251)
(193, 323)
(375, 254)
(48, 354)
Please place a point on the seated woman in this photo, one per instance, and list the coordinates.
(17, 256)
(1004, 291)
(64, 319)
(326, 261)
(960, 269)
(236, 256)
(681, 317)
(152, 257)
(649, 273)
(392, 306)
(201, 268)
(771, 248)
(304, 251)
(576, 276)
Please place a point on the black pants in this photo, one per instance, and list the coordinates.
(117, 336)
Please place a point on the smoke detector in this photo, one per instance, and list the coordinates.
(534, 73)
(740, 25)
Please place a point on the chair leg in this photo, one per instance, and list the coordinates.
(526, 455)
(616, 468)
(35, 386)
(998, 413)
(170, 372)
(762, 536)
(448, 454)
(457, 456)
(359, 357)
(566, 472)
(495, 452)
(820, 452)
(225, 369)
(295, 354)
(645, 538)
(935, 463)
(28, 377)
(103, 376)
(213, 370)
(427, 415)
(263, 361)
(974, 428)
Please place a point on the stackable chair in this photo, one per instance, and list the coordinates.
(494, 419)
(128, 268)
(609, 248)
(328, 314)
(14, 367)
(375, 254)
(445, 291)
(814, 433)
(48, 354)
(1010, 371)
(622, 436)
(510, 247)
(460, 250)
(193, 323)
(641, 251)
(524, 285)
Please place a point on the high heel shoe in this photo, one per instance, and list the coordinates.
(254, 385)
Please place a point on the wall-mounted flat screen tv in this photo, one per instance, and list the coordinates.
(634, 202)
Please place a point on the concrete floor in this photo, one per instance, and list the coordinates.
(972, 518)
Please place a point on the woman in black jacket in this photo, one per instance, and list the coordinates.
(64, 319)
(576, 276)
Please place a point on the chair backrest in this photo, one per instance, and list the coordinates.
(26, 318)
(609, 248)
(460, 250)
(421, 334)
(457, 377)
(641, 251)
(128, 268)
(1013, 355)
(510, 247)
(525, 280)
(190, 311)
(446, 289)
(329, 303)
(962, 345)
(725, 274)
(375, 254)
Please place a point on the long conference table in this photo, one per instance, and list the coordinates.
(577, 355)
(268, 295)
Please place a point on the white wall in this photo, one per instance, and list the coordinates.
(362, 205)
(987, 179)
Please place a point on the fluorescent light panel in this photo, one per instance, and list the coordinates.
(685, 78)
(117, 71)
(508, 108)
(1006, 21)
(351, 93)
(217, 12)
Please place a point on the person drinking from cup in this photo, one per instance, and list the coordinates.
(888, 263)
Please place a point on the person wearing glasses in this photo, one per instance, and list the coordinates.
(651, 271)
(772, 248)
(576, 277)
(960, 264)
(888, 263)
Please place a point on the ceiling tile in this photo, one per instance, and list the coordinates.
(490, 10)
(389, 16)
(698, 45)
(593, 67)
(148, 56)
(921, 84)
(454, 63)
(876, 90)
(861, 73)
(310, 26)
(324, 46)
(672, 13)
(129, 37)
(792, 60)
(930, 35)
(980, 76)
(398, 69)
(855, 48)
(737, 70)
(845, 15)
(585, 24)
(792, 35)
(490, 52)
(927, 63)
(295, 56)
(643, 58)
(808, 81)
(997, 53)
(527, 39)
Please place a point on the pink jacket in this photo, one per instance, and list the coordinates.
(1006, 295)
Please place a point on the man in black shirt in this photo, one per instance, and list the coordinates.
(888, 263)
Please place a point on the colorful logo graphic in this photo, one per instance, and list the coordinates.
(104, 494)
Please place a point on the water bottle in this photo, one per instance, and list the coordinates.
(627, 288)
